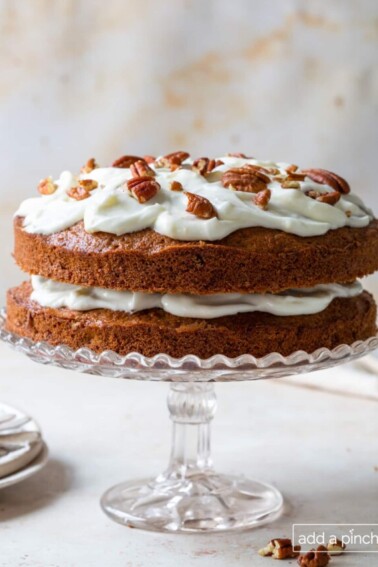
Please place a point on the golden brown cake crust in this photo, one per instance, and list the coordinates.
(153, 331)
(252, 260)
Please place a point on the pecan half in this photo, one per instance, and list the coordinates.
(245, 179)
(173, 160)
(143, 188)
(262, 199)
(239, 155)
(204, 165)
(125, 161)
(331, 198)
(88, 184)
(260, 168)
(175, 186)
(318, 558)
(89, 166)
(141, 168)
(78, 193)
(280, 549)
(326, 177)
(200, 206)
(47, 186)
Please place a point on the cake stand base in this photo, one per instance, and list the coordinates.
(205, 502)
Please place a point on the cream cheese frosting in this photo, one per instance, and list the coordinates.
(49, 293)
(110, 208)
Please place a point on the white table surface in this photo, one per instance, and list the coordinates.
(319, 448)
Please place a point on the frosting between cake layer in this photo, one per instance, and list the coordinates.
(110, 208)
(49, 293)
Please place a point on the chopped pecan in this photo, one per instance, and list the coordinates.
(335, 547)
(47, 186)
(318, 558)
(245, 179)
(296, 550)
(239, 155)
(296, 176)
(89, 166)
(149, 159)
(124, 162)
(313, 194)
(331, 198)
(262, 199)
(143, 188)
(280, 549)
(291, 168)
(141, 169)
(204, 165)
(88, 184)
(328, 178)
(78, 193)
(175, 186)
(290, 184)
(200, 206)
(173, 160)
(267, 551)
(289, 179)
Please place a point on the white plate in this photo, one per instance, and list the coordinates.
(20, 440)
(28, 471)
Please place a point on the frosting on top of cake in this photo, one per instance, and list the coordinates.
(112, 207)
(49, 293)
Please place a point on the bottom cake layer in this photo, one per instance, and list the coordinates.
(154, 331)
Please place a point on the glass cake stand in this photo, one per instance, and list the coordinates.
(190, 496)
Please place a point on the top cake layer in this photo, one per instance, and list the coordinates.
(234, 224)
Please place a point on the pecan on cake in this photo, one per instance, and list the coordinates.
(228, 255)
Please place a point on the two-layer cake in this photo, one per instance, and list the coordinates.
(169, 255)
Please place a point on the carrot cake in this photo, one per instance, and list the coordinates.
(213, 256)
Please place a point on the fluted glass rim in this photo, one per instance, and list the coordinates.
(163, 367)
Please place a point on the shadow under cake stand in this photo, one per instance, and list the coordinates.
(190, 496)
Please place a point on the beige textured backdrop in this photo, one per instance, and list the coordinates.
(293, 80)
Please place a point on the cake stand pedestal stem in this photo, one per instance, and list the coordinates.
(192, 407)
(190, 496)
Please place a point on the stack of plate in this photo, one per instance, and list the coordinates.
(22, 449)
